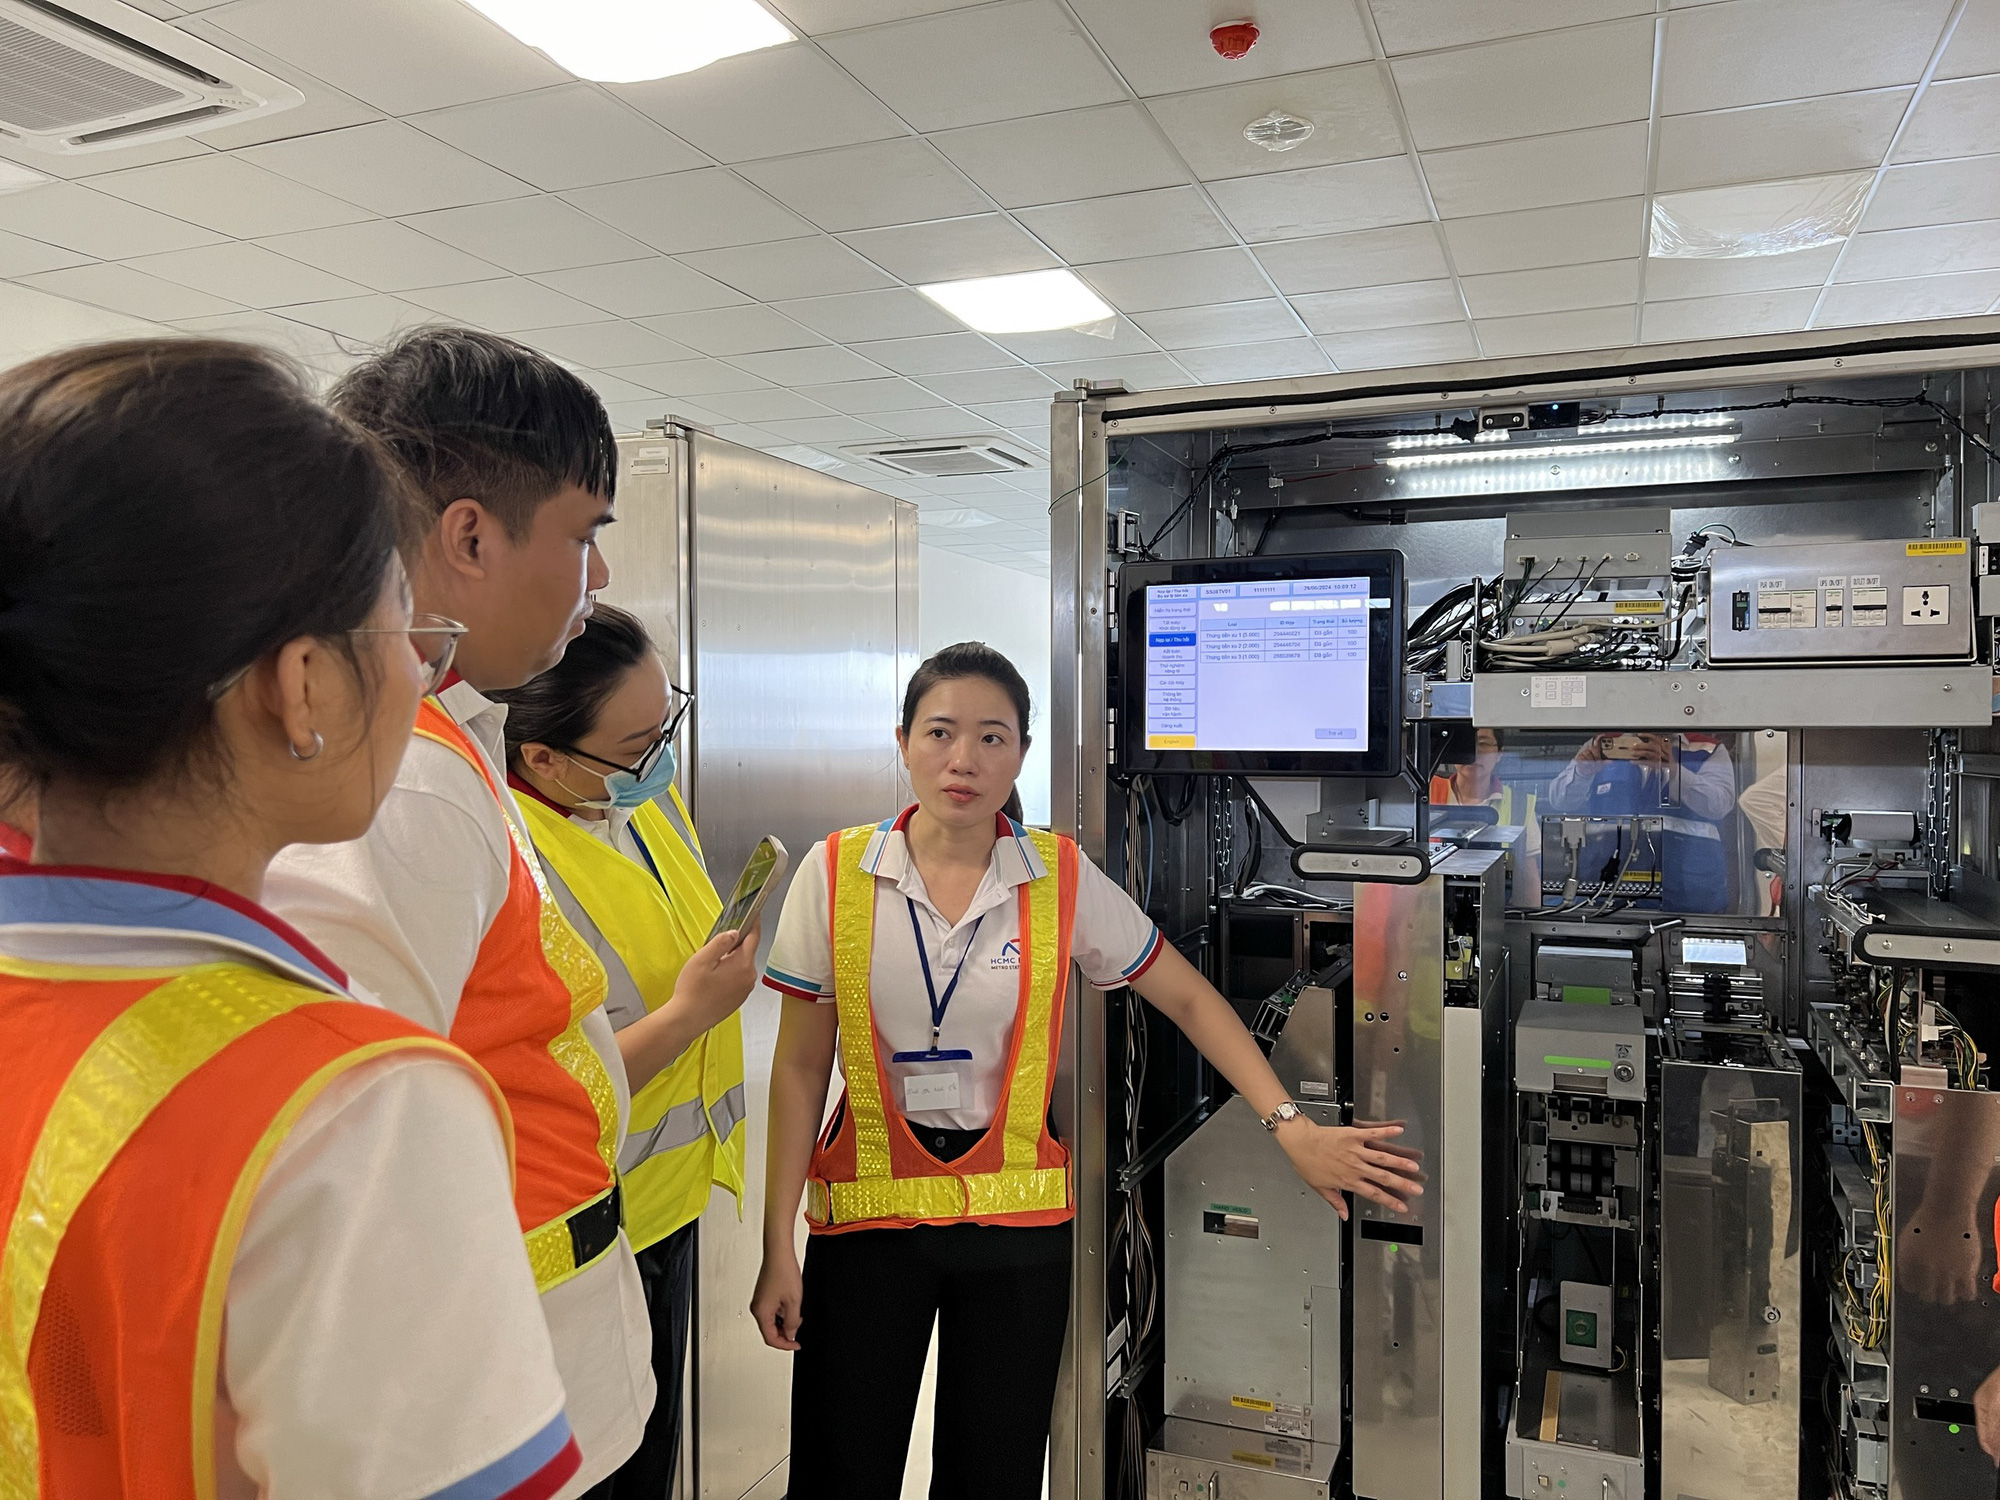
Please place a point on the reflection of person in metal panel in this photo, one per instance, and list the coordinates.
(1475, 782)
(1687, 781)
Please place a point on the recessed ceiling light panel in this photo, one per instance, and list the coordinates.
(1027, 302)
(631, 41)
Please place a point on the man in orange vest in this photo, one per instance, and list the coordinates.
(441, 909)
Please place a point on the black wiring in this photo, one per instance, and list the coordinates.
(1270, 817)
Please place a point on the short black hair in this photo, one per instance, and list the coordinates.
(475, 416)
(171, 511)
(562, 705)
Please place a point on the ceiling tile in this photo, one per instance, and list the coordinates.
(826, 430)
(692, 377)
(1935, 192)
(1140, 372)
(1126, 337)
(746, 435)
(631, 416)
(1040, 159)
(505, 305)
(616, 389)
(1161, 46)
(1958, 118)
(569, 137)
(1800, 138)
(1737, 316)
(1960, 295)
(1975, 46)
(765, 103)
(894, 314)
(765, 406)
(1934, 250)
(1607, 283)
(1559, 81)
(966, 67)
(230, 196)
(382, 254)
(936, 355)
(1757, 51)
(21, 256)
(1426, 25)
(1577, 166)
(125, 290)
(1323, 200)
(686, 211)
(1011, 413)
(1569, 235)
(1396, 306)
(1270, 361)
(95, 224)
(817, 17)
(859, 187)
(866, 397)
(398, 55)
(1186, 280)
(1557, 332)
(1220, 323)
(729, 331)
(1156, 223)
(325, 107)
(1676, 278)
(1350, 109)
(605, 346)
(814, 266)
(318, 350)
(953, 249)
(640, 288)
(248, 274)
(1020, 383)
(1368, 257)
(1383, 348)
(936, 421)
(387, 167)
(529, 234)
(373, 319)
(825, 365)
(86, 164)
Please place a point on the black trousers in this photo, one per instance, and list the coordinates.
(1000, 1297)
(666, 1271)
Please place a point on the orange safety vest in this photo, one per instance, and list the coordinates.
(520, 1015)
(142, 1110)
(868, 1171)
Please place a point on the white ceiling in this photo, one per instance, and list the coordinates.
(738, 245)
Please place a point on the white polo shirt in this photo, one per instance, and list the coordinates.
(404, 909)
(1113, 942)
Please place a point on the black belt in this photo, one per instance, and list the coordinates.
(593, 1229)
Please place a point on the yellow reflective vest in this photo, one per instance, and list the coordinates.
(686, 1126)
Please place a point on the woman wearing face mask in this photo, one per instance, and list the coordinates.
(934, 951)
(590, 756)
(258, 1238)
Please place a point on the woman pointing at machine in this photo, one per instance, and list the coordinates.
(933, 952)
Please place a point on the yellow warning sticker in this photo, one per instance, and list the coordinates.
(1946, 547)
(1261, 1460)
(1251, 1403)
(1639, 607)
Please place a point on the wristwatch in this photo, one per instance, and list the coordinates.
(1278, 1116)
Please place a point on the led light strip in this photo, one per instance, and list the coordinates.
(1563, 450)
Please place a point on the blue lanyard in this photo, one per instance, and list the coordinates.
(645, 853)
(939, 1006)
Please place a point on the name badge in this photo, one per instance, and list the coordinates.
(928, 1091)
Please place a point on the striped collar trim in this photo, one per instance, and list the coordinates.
(1016, 861)
(134, 902)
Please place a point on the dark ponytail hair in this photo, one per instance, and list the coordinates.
(972, 659)
(171, 511)
(562, 705)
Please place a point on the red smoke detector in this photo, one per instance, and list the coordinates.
(1234, 40)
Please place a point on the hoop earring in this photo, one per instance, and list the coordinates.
(319, 744)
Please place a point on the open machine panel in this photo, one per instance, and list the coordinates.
(1671, 934)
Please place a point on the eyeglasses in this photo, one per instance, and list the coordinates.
(434, 639)
(681, 701)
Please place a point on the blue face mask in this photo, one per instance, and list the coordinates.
(624, 789)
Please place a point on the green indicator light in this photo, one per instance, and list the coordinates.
(1577, 1062)
(1954, 1428)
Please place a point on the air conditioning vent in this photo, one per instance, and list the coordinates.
(94, 75)
(946, 458)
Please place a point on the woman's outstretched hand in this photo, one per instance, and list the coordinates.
(1338, 1159)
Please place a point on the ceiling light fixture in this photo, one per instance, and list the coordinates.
(1559, 450)
(1026, 302)
(631, 41)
